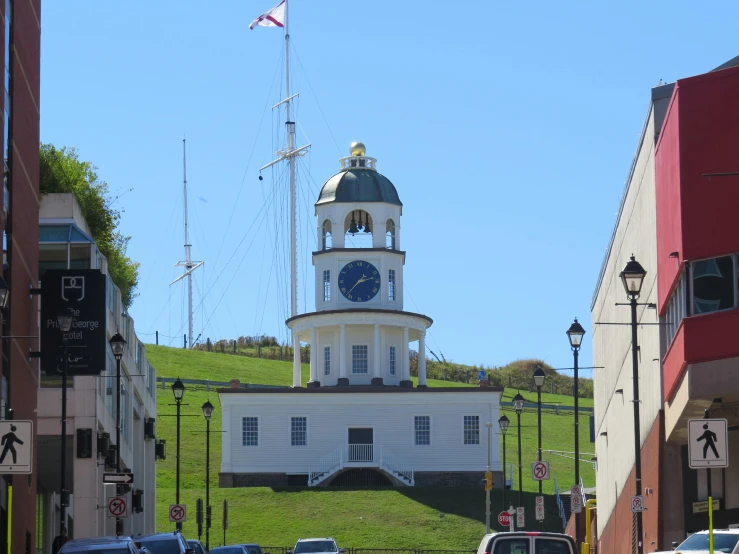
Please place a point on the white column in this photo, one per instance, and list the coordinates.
(405, 362)
(376, 364)
(422, 359)
(296, 359)
(342, 351)
(313, 355)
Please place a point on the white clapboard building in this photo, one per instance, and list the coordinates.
(359, 420)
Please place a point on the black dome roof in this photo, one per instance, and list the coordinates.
(359, 185)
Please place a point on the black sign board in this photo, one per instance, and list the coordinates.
(81, 292)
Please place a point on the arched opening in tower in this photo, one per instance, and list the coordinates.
(358, 226)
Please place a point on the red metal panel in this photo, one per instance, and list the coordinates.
(674, 364)
(668, 195)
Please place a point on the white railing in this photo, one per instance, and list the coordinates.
(396, 466)
(361, 453)
(326, 465)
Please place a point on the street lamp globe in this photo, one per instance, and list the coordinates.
(178, 389)
(64, 318)
(633, 278)
(504, 422)
(575, 333)
(207, 410)
(539, 377)
(518, 403)
(117, 345)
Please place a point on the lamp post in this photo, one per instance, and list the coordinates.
(64, 319)
(487, 483)
(575, 334)
(178, 390)
(207, 412)
(518, 406)
(632, 277)
(118, 345)
(503, 423)
(539, 378)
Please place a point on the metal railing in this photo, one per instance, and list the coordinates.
(361, 453)
(326, 465)
(397, 466)
(560, 505)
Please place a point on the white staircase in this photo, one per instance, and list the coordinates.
(360, 456)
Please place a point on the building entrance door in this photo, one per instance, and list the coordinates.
(361, 445)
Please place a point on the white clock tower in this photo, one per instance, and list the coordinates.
(359, 333)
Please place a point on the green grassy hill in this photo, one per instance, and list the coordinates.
(438, 518)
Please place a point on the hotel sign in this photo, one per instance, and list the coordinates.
(80, 292)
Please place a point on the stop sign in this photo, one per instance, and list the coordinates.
(504, 518)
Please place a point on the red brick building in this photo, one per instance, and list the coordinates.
(20, 208)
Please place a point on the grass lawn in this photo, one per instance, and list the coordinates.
(432, 518)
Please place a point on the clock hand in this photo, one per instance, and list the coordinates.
(362, 279)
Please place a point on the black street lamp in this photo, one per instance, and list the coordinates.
(633, 279)
(575, 334)
(518, 406)
(178, 390)
(118, 345)
(65, 320)
(539, 378)
(208, 413)
(503, 422)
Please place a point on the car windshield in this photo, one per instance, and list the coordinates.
(162, 546)
(722, 542)
(227, 550)
(196, 546)
(308, 547)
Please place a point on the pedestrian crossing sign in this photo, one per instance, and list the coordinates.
(16, 446)
(708, 443)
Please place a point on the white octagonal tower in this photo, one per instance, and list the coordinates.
(359, 333)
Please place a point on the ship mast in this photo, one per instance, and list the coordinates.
(188, 264)
(290, 153)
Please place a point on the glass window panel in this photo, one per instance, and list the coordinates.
(713, 285)
(79, 256)
(551, 546)
(327, 360)
(51, 256)
(53, 233)
(471, 429)
(359, 358)
(391, 285)
(422, 427)
(392, 360)
(512, 546)
(326, 285)
(250, 431)
(299, 431)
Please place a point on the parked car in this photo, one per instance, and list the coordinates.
(165, 543)
(252, 548)
(724, 540)
(527, 542)
(197, 546)
(101, 545)
(326, 545)
(234, 549)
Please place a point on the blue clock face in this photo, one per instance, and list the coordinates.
(359, 281)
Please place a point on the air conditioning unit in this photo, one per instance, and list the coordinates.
(149, 429)
(103, 444)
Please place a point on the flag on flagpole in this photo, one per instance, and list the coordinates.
(273, 18)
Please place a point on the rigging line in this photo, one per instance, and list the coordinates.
(261, 274)
(236, 272)
(160, 250)
(200, 304)
(248, 163)
(258, 330)
(166, 303)
(310, 86)
(406, 289)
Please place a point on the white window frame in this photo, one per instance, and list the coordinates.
(392, 360)
(290, 430)
(479, 440)
(327, 360)
(691, 308)
(413, 439)
(391, 286)
(327, 285)
(368, 360)
(244, 432)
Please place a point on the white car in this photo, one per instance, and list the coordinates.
(724, 540)
(326, 545)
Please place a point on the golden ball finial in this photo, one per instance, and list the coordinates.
(357, 149)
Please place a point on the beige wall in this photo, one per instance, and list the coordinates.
(635, 234)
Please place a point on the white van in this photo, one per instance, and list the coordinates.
(527, 542)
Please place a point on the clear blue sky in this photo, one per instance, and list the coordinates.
(508, 129)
